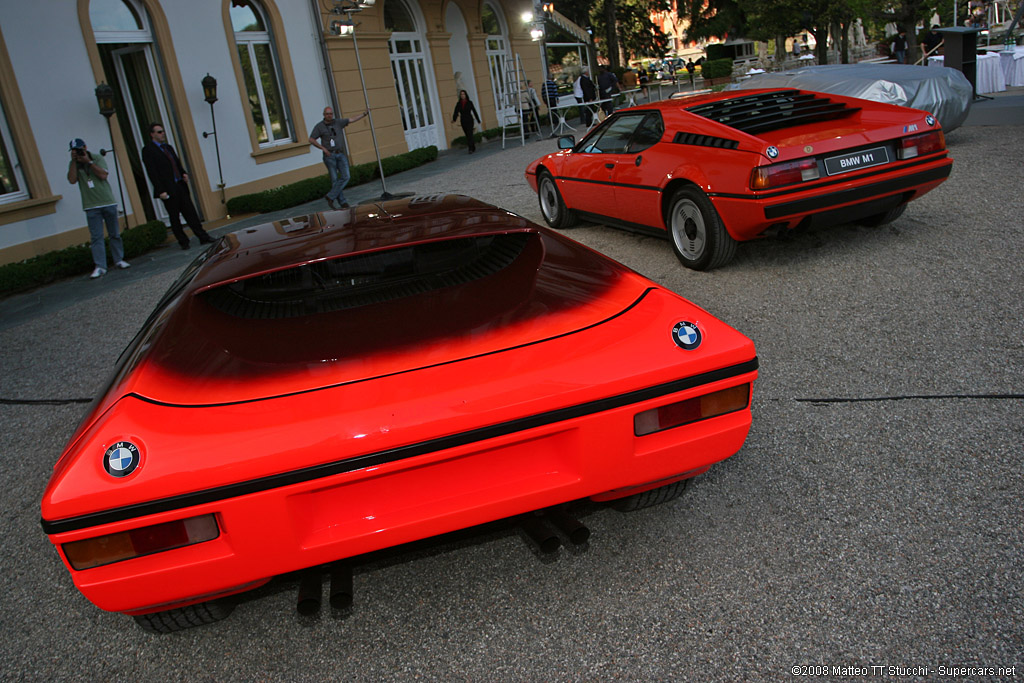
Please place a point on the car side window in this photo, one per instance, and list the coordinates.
(614, 136)
(647, 134)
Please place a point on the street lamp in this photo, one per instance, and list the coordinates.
(105, 100)
(210, 95)
(346, 27)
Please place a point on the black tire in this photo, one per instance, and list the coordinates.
(698, 236)
(182, 618)
(880, 219)
(552, 207)
(646, 499)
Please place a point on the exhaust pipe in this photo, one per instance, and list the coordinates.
(539, 533)
(341, 586)
(571, 527)
(309, 593)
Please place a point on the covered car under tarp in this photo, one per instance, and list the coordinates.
(944, 92)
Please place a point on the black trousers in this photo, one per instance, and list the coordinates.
(467, 128)
(179, 204)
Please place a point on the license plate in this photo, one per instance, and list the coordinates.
(856, 160)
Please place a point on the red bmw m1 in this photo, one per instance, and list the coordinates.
(708, 171)
(313, 390)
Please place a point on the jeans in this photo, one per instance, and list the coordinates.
(96, 218)
(337, 167)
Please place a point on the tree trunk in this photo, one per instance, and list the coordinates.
(611, 34)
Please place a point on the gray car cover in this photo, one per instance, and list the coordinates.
(942, 91)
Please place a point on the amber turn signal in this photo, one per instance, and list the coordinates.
(95, 552)
(692, 410)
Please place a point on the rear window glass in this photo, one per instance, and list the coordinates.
(366, 279)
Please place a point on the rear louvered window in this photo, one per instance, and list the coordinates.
(773, 110)
(365, 279)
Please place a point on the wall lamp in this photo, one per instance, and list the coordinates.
(105, 100)
(210, 95)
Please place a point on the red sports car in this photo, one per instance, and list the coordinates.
(713, 170)
(316, 389)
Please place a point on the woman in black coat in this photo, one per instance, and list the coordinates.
(465, 111)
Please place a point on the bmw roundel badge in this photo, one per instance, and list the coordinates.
(686, 335)
(772, 152)
(121, 459)
(930, 120)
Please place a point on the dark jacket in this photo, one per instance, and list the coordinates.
(589, 91)
(466, 113)
(159, 169)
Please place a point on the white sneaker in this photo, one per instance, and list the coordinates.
(99, 272)
(123, 264)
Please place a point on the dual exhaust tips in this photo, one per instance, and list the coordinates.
(311, 588)
(538, 528)
(543, 528)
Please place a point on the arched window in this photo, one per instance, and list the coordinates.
(258, 59)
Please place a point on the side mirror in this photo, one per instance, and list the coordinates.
(566, 142)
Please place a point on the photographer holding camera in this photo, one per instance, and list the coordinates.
(89, 172)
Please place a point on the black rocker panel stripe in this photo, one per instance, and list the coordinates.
(393, 454)
(855, 194)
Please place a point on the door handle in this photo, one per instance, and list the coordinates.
(609, 166)
(637, 162)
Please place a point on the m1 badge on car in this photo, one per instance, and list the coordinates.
(686, 335)
(121, 459)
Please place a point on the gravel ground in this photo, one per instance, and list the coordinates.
(872, 519)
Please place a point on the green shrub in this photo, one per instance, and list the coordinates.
(717, 68)
(76, 260)
(307, 190)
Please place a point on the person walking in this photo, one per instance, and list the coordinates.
(89, 172)
(608, 85)
(465, 112)
(899, 46)
(170, 184)
(584, 91)
(327, 137)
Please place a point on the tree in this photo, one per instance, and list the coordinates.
(622, 27)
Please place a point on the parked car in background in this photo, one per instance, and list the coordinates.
(711, 170)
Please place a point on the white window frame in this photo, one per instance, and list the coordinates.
(250, 39)
(12, 156)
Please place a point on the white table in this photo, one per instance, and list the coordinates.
(989, 75)
(1013, 65)
(630, 96)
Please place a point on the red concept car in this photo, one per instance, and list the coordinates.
(716, 169)
(316, 389)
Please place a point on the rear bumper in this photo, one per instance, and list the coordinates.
(290, 527)
(841, 201)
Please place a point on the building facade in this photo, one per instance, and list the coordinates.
(277, 64)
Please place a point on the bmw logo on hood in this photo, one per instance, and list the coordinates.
(686, 335)
(121, 459)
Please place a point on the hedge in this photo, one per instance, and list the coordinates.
(717, 68)
(74, 261)
(303, 191)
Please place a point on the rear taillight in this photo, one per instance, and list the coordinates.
(918, 145)
(691, 410)
(94, 552)
(786, 173)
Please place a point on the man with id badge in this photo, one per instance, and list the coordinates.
(327, 137)
(89, 172)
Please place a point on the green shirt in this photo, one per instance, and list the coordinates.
(95, 192)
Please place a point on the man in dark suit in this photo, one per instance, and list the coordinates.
(170, 184)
